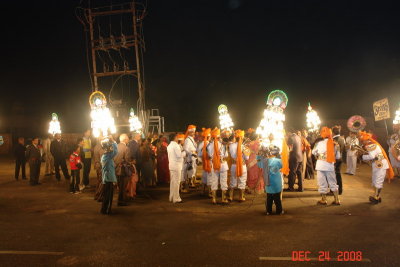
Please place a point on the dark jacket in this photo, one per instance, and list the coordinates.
(134, 151)
(19, 151)
(33, 154)
(58, 149)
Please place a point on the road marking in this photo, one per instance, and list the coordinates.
(16, 252)
(309, 259)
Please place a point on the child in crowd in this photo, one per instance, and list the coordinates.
(272, 166)
(75, 165)
(108, 169)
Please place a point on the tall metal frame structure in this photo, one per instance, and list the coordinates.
(136, 11)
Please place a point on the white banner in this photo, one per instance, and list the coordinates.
(381, 109)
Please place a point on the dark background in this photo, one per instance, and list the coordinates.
(339, 55)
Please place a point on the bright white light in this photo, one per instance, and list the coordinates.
(54, 126)
(224, 118)
(102, 122)
(272, 124)
(277, 101)
(313, 120)
(397, 117)
(134, 123)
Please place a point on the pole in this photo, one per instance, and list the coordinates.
(96, 86)
(387, 132)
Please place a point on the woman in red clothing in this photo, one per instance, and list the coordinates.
(75, 165)
(162, 161)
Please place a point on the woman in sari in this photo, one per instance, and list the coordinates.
(255, 181)
(147, 157)
(162, 161)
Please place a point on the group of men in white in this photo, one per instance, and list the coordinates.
(184, 153)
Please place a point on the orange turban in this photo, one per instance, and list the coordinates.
(216, 158)
(190, 128)
(330, 146)
(206, 161)
(181, 136)
(215, 133)
(367, 136)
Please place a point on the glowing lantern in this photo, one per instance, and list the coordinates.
(225, 119)
(313, 120)
(54, 126)
(271, 129)
(397, 117)
(102, 121)
(134, 123)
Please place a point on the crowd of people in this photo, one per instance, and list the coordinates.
(231, 161)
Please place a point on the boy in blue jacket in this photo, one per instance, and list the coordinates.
(108, 169)
(272, 166)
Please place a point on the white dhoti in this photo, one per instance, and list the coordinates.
(351, 162)
(175, 177)
(238, 182)
(206, 178)
(378, 177)
(326, 180)
(222, 178)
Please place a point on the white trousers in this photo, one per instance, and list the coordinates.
(49, 164)
(326, 180)
(378, 177)
(222, 178)
(238, 182)
(351, 164)
(206, 177)
(175, 177)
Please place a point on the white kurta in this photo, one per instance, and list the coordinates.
(326, 176)
(239, 182)
(378, 174)
(206, 176)
(351, 158)
(222, 174)
(175, 158)
(190, 148)
(48, 156)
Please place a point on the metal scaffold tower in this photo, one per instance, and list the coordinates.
(115, 35)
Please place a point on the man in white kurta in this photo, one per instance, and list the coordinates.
(219, 173)
(326, 170)
(379, 168)
(176, 155)
(206, 175)
(393, 154)
(351, 159)
(190, 148)
(49, 170)
(237, 182)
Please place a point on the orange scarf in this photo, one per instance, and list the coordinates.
(206, 161)
(216, 158)
(285, 158)
(330, 146)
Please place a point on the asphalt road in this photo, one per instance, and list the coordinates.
(46, 226)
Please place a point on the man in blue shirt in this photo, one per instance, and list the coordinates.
(108, 169)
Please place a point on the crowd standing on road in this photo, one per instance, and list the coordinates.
(230, 160)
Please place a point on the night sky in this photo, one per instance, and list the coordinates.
(339, 55)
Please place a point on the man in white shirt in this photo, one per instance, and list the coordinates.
(380, 165)
(351, 160)
(326, 153)
(176, 155)
(205, 161)
(190, 147)
(238, 175)
(218, 153)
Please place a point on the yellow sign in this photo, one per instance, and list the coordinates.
(381, 109)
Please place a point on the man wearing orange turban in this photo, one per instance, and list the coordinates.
(217, 152)
(190, 147)
(203, 157)
(326, 153)
(238, 168)
(381, 167)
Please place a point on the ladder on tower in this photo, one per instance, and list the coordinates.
(155, 122)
